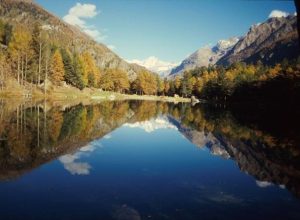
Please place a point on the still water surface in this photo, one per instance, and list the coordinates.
(143, 160)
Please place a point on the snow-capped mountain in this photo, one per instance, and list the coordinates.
(155, 65)
(205, 56)
(269, 42)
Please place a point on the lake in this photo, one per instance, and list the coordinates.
(146, 160)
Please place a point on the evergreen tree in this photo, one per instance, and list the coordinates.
(78, 66)
(69, 76)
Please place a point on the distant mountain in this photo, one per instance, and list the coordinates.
(152, 63)
(269, 42)
(205, 56)
(27, 13)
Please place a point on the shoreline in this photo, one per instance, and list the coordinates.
(57, 96)
(70, 94)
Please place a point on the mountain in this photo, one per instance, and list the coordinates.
(152, 63)
(205, 56)
(27, 13)
(269, 42)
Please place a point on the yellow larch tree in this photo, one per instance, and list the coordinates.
(57, 71)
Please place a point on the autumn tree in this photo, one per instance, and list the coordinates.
(114, 80)
(106, 82)
(166, 86)
(39, 43)
(57, 70)
(177, 83)
(160, 86)
(19, 49)
(146, 83)
(91, 72)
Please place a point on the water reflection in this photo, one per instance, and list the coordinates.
(33, 134)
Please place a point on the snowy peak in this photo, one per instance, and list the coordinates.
(155, 65)
(270, 42)
(227, 44)
(206, 56)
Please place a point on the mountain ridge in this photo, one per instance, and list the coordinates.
(269, 42)
(28, 12)
(205, 56)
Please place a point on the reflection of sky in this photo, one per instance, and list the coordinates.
(143, 168)
(72, 162)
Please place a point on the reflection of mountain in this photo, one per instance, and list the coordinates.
(201, 139)
(267, 158)
(30, 137)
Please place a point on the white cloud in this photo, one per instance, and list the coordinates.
(278, 14)
(263, 184)
(156, 65)
(108, 136)
(71, 161)
(88, 148)
(75, 168)
(77, 16)
(152, 125)
(84, 10)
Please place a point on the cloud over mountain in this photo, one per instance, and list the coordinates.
(278, 14)
(77, 16)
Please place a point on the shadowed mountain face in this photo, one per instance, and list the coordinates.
(269, 42)
(32, 135)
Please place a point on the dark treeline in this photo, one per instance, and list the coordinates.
(240, 82)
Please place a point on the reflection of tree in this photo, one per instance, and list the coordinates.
(55, 124)
(145, 111)
(262, 154)
(31, 135)
(74, 122)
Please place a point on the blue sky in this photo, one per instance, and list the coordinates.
(167, 29)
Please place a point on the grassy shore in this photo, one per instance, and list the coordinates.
(69, 93)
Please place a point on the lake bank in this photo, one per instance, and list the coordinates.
(70, 93)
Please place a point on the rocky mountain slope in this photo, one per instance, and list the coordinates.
(27, 13)
(269, 42)
(205, 56)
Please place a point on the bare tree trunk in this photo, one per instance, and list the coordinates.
(46, 76)
(2, 79)
(18, 119)
(22, 70)
(18, 71)
(40, 64)
(26, 66)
